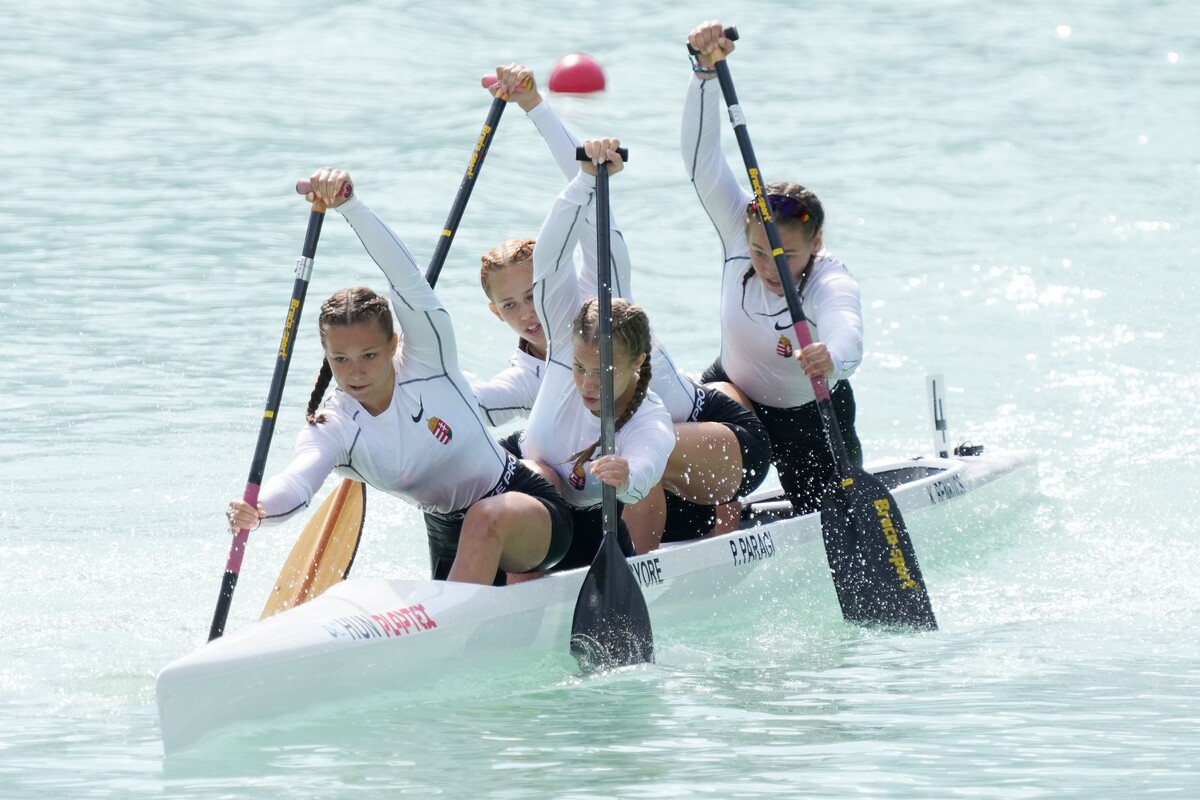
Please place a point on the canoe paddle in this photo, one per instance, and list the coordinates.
(611, 625)
(313, 565)
(324, 550)
(871, 557)
(287, 344)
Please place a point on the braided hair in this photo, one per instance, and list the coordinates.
(502, 256)
(809, 225)
(631, 338)
(347, 307)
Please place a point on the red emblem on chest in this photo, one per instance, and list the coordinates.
(577, 479)
(440, 430)
(784, 348)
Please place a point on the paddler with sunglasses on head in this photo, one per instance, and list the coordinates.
(759, 352)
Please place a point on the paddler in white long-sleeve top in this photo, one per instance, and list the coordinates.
(403, 419)
(759, 351)
(564, 425)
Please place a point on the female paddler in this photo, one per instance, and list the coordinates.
(759, 353)
(722, 451)
(403, 419)
(564, 424)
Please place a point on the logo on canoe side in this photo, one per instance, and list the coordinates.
(946, 489)
(751, 547)
(387, 625)
(648, 571)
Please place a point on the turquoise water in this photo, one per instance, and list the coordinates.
(1013, 186)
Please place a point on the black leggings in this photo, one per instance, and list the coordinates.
(799, 448)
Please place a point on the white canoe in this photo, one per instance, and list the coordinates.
(370, 636)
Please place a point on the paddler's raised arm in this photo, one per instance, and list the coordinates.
(427, 332)
(555, 284)
(720, 191)
(516, 83)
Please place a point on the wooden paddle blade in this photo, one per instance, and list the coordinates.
(611, 627)
(871, 557)
(324, 551)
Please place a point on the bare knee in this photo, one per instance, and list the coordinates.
(483, 525)
(646, 520)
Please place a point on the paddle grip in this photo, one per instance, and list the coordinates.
(730, 33)
(489, 81)
(580, 155)
(304, 187)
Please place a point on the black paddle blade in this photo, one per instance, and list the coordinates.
(611, 627)
(871, 557)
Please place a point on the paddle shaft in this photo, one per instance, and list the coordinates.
(464, 190)
(608, 403)
(287, 343)
(799, 322)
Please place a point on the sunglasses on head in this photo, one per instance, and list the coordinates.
(784, 206)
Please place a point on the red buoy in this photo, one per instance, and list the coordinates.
(576, 73)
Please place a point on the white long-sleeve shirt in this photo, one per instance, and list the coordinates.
(757, 339)
(560, 425)
(430, 446)
(510, 393)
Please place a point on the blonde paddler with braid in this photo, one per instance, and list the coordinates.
(564, 424)
(403, 419)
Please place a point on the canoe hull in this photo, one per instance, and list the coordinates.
(369, 636)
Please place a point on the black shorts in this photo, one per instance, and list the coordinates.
(687, 520)
(799, 448)
(588, 533)
(444, 529)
